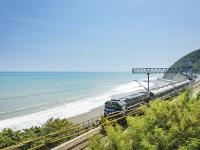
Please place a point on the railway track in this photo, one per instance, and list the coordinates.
(79, 139)
(80, 142)
(83, 144)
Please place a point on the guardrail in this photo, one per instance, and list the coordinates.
(81, 141)
(112, 120)
(54, 139)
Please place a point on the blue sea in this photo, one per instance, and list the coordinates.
(28, 95)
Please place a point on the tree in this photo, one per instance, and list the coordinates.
(165, 125)
(8, 137)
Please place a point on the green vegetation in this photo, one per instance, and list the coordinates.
(183, 62)
(165, 125)
(9, 137)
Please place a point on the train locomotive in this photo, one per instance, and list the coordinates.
(126, 101)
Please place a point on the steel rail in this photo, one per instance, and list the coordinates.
(84, 127)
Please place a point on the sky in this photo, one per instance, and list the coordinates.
(96, 35)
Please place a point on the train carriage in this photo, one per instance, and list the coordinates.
(125, 101)
(122, 102)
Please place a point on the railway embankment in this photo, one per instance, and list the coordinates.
(196, 87)
(81, 142)
(164, 125)
(79, 137)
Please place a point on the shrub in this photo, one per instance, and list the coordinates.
(165, 125)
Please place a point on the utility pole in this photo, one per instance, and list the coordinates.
(190, 77)
(148, 79)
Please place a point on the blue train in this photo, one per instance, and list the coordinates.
(126, 101)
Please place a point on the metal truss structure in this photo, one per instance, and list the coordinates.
(160, 70)
(184, 71)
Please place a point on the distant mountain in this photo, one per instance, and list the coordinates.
(183, 62)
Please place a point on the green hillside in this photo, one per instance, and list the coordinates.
(183, 62)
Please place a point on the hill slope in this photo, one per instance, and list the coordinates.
(183, 62)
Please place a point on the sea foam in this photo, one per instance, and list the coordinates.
(69, 109)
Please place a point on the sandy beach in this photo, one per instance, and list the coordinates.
(78, 111)
(94, 113)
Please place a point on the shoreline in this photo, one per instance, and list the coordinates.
(94, 113)
(23, 122)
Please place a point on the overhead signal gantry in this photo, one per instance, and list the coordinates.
(184, 71)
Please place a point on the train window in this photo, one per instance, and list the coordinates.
(108, 105)
(115, 105)
(111, 105)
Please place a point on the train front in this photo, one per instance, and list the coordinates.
(113, 106)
